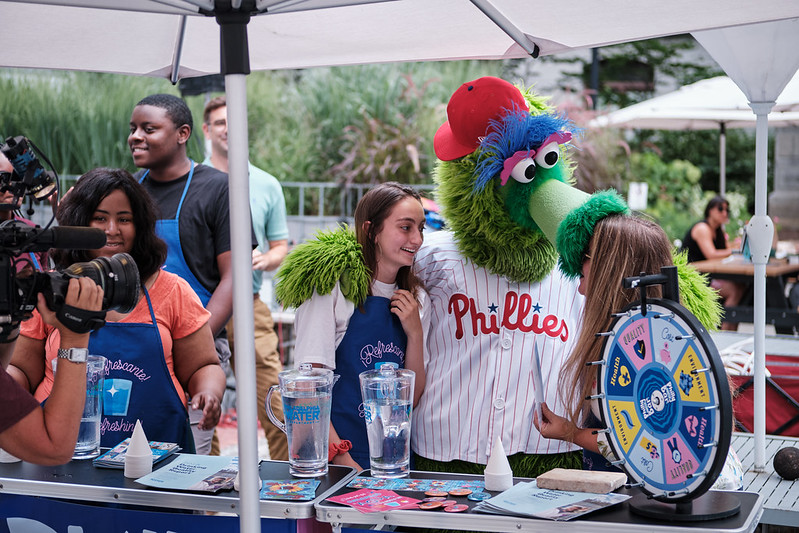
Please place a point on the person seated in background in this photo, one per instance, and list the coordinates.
(157, 351)
(707, 239)
(47, 435)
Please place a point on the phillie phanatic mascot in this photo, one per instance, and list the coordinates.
(498, 286)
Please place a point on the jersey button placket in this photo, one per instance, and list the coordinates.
(506, 343)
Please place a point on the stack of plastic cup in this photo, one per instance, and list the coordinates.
(138, 456)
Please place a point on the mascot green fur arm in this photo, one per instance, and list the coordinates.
(316, 266)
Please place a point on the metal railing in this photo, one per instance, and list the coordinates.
(310, 206)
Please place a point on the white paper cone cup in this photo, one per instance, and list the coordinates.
(498, 482)
(137, 466)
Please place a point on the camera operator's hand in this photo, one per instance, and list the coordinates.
(82, 293)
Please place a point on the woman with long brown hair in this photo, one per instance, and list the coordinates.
(622, 246)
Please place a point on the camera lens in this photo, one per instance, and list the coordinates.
(118, 276)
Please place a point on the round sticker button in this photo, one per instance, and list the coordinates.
(427, 506)
(434, 492)
(460, 492)
(478, 496)
(458, 508)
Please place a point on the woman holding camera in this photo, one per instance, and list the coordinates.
(154, 353)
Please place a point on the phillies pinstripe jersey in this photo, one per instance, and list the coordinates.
(480, 347)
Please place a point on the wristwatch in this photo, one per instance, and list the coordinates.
(76, 355)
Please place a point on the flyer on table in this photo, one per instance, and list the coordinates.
(207, 473)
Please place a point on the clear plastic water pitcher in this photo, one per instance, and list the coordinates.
(306, 393)
(387, 400)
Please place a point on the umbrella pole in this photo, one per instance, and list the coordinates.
(723, 159)
(760, 231)
(235, 66)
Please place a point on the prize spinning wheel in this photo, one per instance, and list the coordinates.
(664, 397)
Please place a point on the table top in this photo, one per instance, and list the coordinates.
(617, 519)
(736, 264)
(79, 480)
(780, 496)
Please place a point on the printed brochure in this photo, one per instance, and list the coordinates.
(115, 457)
(203, 473)
(526, 499)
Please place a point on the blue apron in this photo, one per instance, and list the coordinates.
(373, 336)
(169, 231)
(138, 385)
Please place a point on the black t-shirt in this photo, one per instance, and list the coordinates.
(694, 251)
(204, 218)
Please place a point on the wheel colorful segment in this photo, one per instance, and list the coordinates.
(664, 397)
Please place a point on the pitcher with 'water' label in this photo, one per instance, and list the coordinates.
(387, 402)
(306, 393)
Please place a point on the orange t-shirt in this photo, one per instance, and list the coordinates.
(178, 313)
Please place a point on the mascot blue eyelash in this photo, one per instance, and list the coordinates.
(517, 130)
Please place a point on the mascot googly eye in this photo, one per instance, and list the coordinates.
(548, 156)
(521, 166)
(524, 147)
(522, 170)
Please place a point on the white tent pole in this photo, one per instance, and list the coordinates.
(723, 159)
(235, 65)
(243, 323)
(760, 231)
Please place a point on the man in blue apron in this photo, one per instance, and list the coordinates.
(194, 211)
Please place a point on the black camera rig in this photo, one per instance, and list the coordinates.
(21, 282)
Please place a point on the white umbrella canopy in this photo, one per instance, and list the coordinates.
(715, 103)
(762, 60)
(143, 36)
(703, 105)
(175, 39)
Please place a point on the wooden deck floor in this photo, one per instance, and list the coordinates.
(781, 497)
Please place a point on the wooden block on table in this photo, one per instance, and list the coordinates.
(581, 480)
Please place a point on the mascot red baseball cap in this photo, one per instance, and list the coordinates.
(468, 113)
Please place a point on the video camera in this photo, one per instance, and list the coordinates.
(29, 177)
(20, 283)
